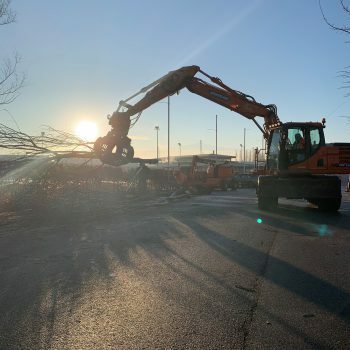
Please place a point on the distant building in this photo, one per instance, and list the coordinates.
(186, 160)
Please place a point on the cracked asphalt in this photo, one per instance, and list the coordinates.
(96, 270)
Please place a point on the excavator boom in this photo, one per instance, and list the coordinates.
(115, 147)
(167, 85)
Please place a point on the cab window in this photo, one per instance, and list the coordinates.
(315, 139)
(295, 145)
(274, 150)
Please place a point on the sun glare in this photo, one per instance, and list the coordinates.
(86, 130)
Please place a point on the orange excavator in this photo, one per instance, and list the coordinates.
(299, 162)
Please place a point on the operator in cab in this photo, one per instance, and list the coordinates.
(299, 143)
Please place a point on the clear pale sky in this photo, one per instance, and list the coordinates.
(81, 57)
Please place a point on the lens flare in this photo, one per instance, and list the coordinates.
(86, 130)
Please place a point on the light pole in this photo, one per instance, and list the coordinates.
(179, 144)
(216, 135)
(244, 151)
(240, 155)
(157, 130)
(168, 102)
(168, 135)
(263, 145)
(256, 159)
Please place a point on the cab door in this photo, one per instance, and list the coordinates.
(296, 146)
(303, 147)
(317, 160)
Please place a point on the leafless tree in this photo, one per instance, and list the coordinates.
(345, 73)
(6, 14)
(11, 81)
(346, 9)
(50, 140)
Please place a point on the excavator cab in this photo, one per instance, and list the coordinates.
(291, 145)
(299, 166)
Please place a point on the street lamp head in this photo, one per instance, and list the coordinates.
(156, 127)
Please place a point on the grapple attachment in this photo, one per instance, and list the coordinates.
(113, 149)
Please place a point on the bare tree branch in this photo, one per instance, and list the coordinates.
(344, 74)
(11, 81)
(50, 141)
(345, 29)
(7, 16)
(345, 8)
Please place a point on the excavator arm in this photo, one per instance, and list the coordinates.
(115, 147)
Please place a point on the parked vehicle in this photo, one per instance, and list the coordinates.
(246, 180)
(197, 179)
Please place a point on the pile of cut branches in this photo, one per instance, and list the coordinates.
(49, 141)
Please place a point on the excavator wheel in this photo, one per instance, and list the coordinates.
(326, 204)
(267, 202)
(266, 199)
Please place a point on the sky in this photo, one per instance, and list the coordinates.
(82, 57)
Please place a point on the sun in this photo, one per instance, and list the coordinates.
(86, 130)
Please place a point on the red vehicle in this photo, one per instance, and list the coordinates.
(212, 176)
(291, 171)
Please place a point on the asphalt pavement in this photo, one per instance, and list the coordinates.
(99, 270)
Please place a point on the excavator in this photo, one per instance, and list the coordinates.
(299, 162)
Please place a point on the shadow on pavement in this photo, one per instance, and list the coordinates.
(50, 257)
(280, 272)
